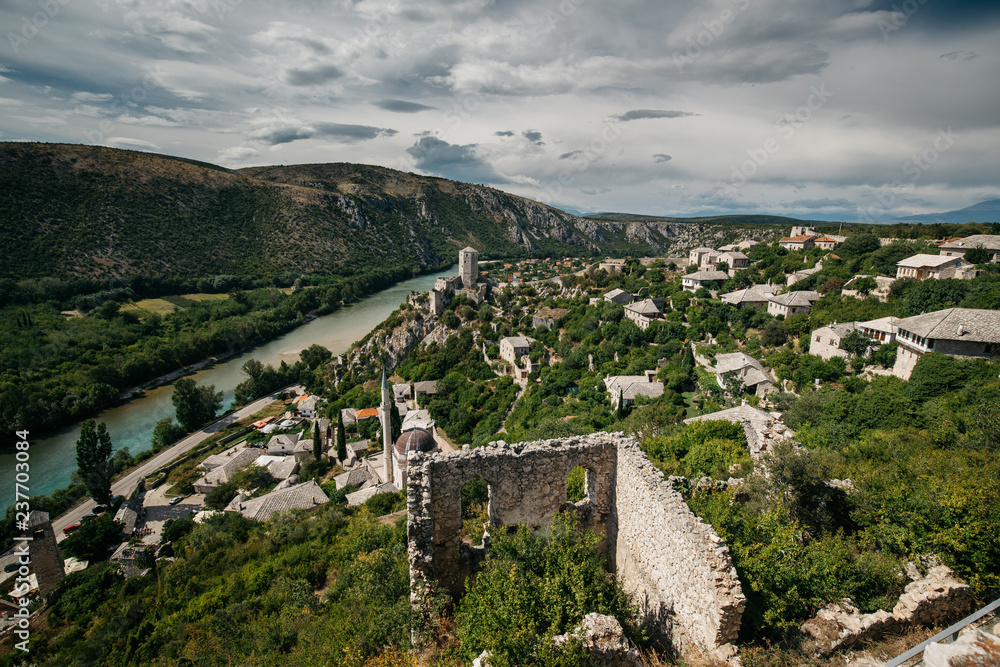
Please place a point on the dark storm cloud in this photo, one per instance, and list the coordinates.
(460, 163)
(505, 133)
(334, 131)
(534, 136)
(312, 76)
(643, 114)
(402, 106)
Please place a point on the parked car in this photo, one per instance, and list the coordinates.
(100, 509)
(88, 517)
(10, 567)
(69, 529)
(176, 500)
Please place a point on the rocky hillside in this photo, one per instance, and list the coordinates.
(73, 211)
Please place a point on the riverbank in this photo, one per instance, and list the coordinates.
(131, 423)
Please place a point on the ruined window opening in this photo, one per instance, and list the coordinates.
(476, 494)
(581, 485)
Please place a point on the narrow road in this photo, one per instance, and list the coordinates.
(127, 483)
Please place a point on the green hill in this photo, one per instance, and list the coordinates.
(91, 212)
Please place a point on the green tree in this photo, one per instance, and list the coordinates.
(774, 334)
(195, 405)
(864, 285)
(314, 356)
(94, 459)
(166, 433)
(933, 375)
(395, 422)
(341, 438)
(856, 343)
(317, 443)
(858, 244)
(977, 255)
(94, 539)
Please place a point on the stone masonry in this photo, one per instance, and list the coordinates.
(676, 566)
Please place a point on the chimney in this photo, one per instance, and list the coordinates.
(650, 376)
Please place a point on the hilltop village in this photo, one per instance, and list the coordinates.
(799, 413)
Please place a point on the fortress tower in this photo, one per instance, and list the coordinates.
(468, 267)
(45, 559)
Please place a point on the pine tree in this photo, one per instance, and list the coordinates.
(395, 422)
(341, 438)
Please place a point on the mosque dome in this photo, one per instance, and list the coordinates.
(415, 440)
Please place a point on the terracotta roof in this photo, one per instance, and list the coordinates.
(365, 413)
(801, 238)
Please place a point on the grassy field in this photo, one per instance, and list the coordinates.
(170, 304)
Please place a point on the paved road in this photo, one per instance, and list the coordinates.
(127, 483)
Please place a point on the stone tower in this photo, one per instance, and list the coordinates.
(46, 562)
(468, 267)
(385, 414)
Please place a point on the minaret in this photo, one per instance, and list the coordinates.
(386, 415)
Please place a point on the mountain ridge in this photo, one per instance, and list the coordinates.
(77, 211)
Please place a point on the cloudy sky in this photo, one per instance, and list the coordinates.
(824, 109)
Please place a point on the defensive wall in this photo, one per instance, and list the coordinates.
(676, 566)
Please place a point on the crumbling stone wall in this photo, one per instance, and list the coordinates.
(674, 563)
(527, 485)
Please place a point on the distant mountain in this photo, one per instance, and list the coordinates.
(73, 211)
(987, 211)
(714, 219)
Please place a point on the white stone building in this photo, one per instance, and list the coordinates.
(825, 341)
(627, 387)
(692, 282)
(513, 348)
(959, 332)
(619, 296)
(923, 267)
(755, 295)
(745, 368)
(958, 247)
(792, 303)
(644, 312)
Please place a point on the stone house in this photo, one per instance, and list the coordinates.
(627, 387)
(881, 291)
(547, 318)
(644, 312)
(301, 496)
(619, 296)
(755, 295)
(792, 303)
(958, 247)
(692, 282)
(513, 348)
(797, 242)
(825, 341)
(923, 267)
(882, 330)
(306, 405)
(959, 332)
(803, 274)
(612, 265)
(745, 368)
(827, 242)
(703, 257)
(736, 260)
(426, 387)
(222, 467)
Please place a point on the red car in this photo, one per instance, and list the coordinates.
(69, 529)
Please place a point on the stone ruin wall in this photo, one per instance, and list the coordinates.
(675, 564)
(669, 559)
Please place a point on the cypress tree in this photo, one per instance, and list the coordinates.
(341, 438)
(317, 445)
